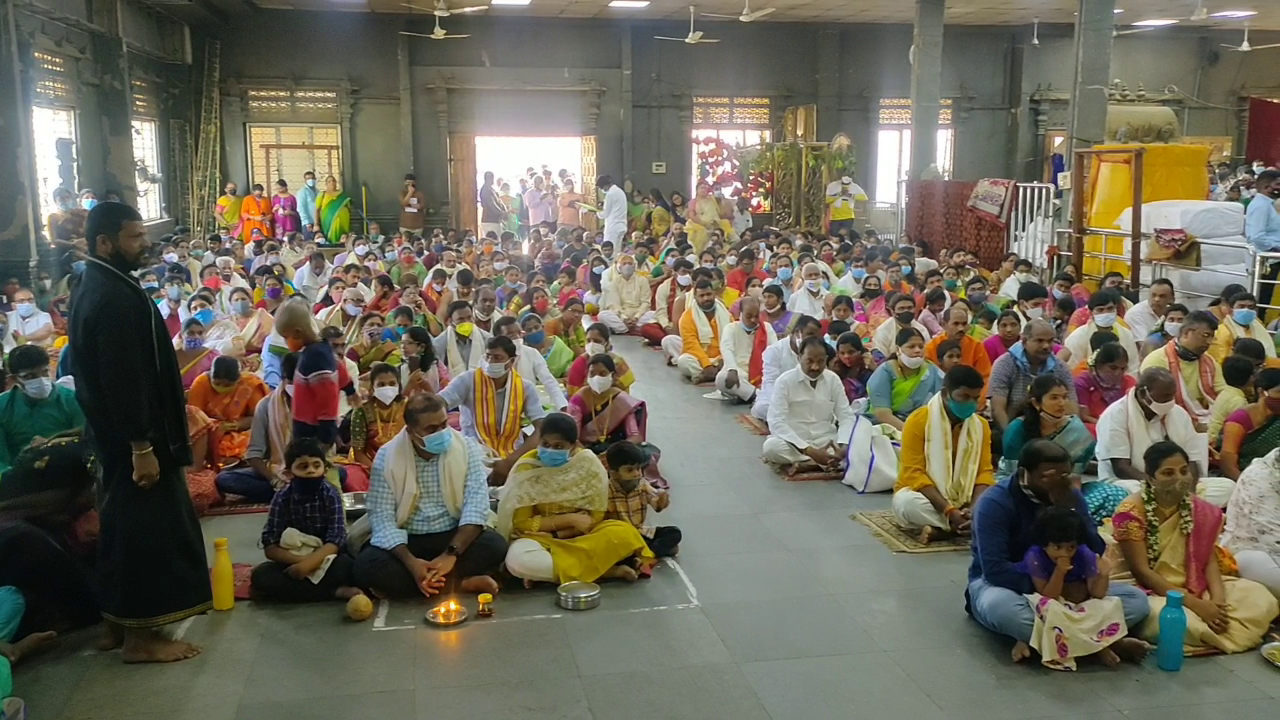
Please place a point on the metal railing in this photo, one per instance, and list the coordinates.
(1252, 272)
(1030, 227)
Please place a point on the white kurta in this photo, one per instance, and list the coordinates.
(805, 413)
(530, 364)
(886, 335)
(1078, 343)
(778, 358)
(806, 303)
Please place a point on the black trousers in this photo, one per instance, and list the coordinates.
(382, 572)
(665, 541)
(271, 583)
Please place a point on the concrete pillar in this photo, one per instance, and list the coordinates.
(115, 101)
(926, 83)
(829, 67)
(406, 103)
(628, 118)
(1095, 26)
(19, 215)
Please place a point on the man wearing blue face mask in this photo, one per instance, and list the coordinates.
(27, 322)
(428, 511)
(1243, 321)
(34, 408)
(171, 303)
(945, 463)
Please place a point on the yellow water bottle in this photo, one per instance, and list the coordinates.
(224, 577)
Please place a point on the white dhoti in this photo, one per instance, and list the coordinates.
(1214, 490)
(780, 452)
(689, 366)
(1260, 567)
(913, 511)
(672, 346)
(617, 325)
(760, 408)
(743, 391)
(528, 560)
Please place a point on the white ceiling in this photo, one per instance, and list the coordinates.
(959, 12)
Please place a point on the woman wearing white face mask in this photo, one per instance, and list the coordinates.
(597, 344)
(374, 423)
(606, 414)
(903, 383)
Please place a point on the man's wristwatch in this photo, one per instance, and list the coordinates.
(452, 550)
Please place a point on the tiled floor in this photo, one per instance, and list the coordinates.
(791, 611)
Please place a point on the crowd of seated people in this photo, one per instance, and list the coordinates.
(426, 371)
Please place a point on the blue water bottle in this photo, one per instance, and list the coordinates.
(1173, 626)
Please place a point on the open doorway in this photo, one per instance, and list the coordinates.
(509, 159)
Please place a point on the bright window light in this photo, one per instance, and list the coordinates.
(510, 2)
(1235, 14)
(629, 4)
(1155, 23)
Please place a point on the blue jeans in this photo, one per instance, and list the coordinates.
(1004, 611)
(12, 607)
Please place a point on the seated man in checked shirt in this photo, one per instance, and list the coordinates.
(304, 535)
(429, 511)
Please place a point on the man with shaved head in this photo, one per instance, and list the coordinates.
(1146, 415)
(742, 346)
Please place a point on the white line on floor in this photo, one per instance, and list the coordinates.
(384, 606)
(688, 586)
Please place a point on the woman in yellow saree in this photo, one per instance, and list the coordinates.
(334, 210)
(553, 514)
(704, 215)
(1168, 538)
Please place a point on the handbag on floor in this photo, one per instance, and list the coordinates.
(872, 456)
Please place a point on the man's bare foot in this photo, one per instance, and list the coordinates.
(621, 572)
(929, 534)
(1131, 649)
(26, 646)
(112, 637)
(1107, 657)
(148, 646)
(1021, 651)
(346, 592)
(479, 584)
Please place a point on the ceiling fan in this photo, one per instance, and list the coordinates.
(747, 15)
(1245, 46)
(1201, 13)
(443, 10)
(437, 34)
(695, 36)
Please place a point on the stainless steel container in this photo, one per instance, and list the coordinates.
(353, 505)
(578, 595)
